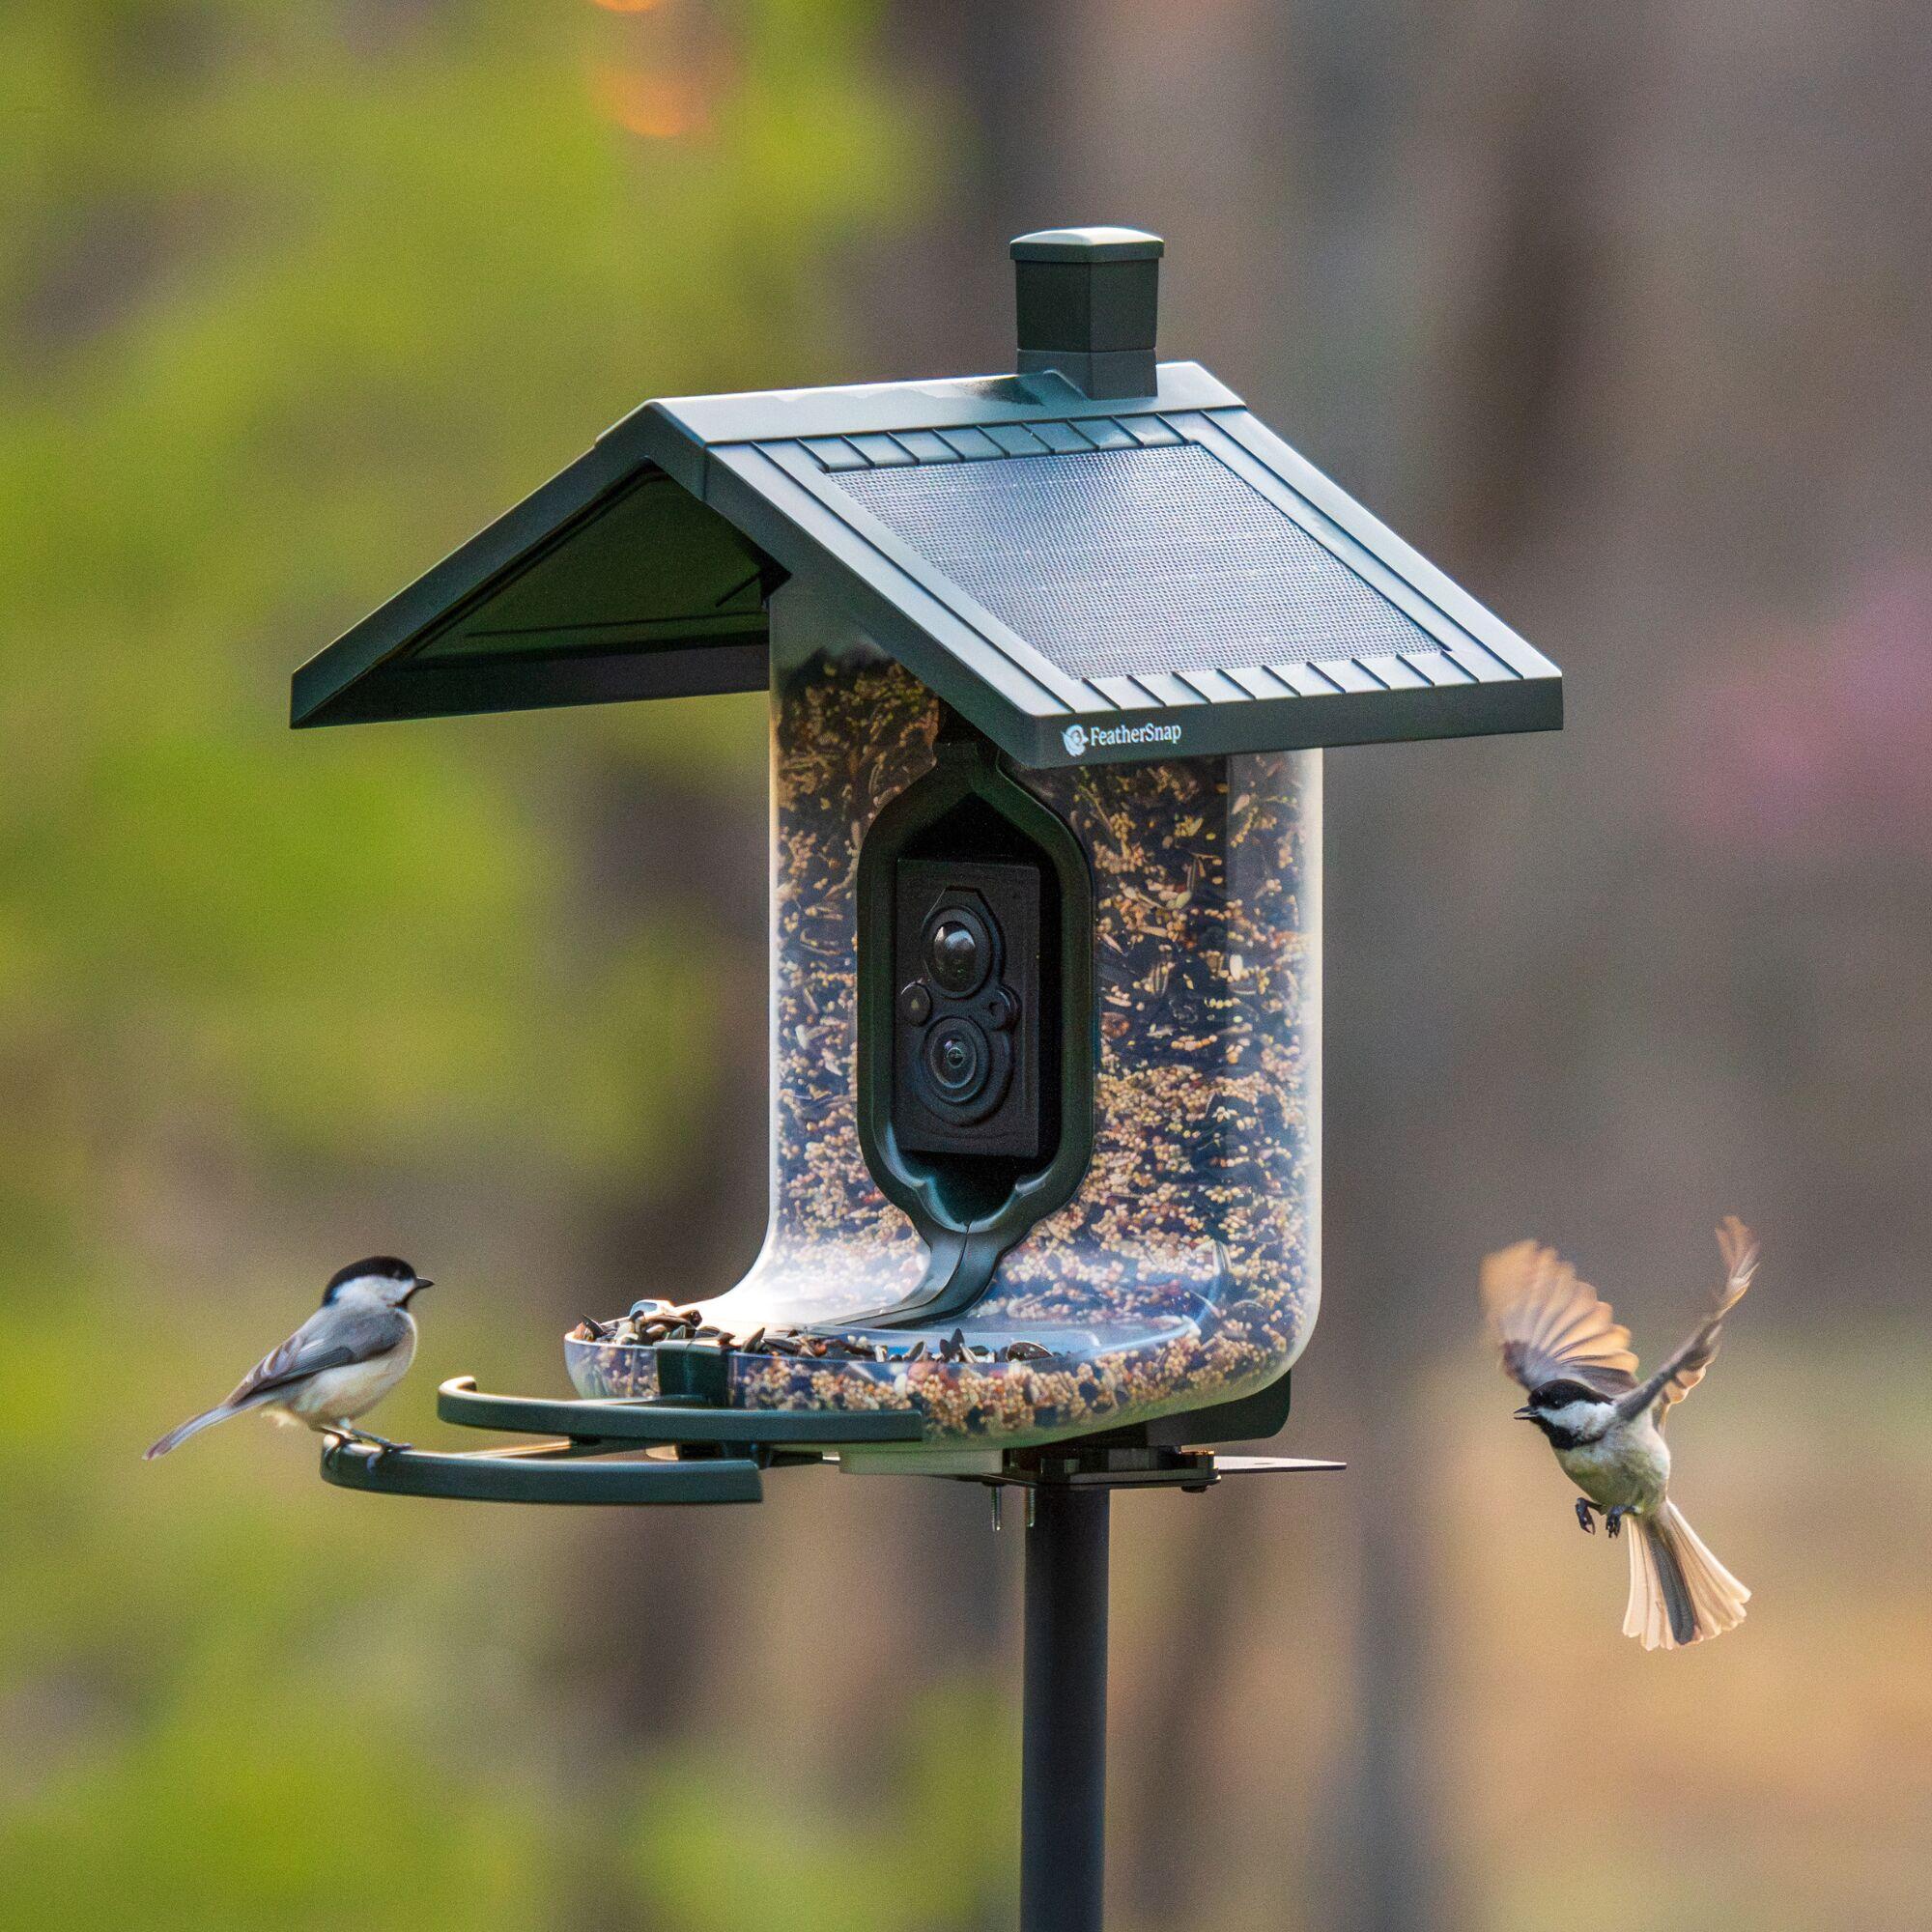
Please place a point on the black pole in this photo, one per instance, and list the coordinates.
(1064, 1745)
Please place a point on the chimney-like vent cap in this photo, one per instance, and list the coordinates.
(1087, 298)
(1088, 245)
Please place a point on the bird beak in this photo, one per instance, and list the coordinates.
(423, 1281)
(1523, 1414)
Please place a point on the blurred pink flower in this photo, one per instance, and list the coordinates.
(1813, 745)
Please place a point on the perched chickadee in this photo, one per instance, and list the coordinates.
(1560, 1340)
(339, 1364)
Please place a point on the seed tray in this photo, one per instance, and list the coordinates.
(717, 1456)
(665, 1421)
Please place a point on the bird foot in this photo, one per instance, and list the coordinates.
(380, 1444)
(1614, 1519)
(1585, 1516)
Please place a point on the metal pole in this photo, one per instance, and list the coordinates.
(1064, 1745)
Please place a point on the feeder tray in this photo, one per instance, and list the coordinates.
(680, 1449)
(715, 1455)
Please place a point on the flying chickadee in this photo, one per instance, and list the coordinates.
(1560, 1340)
(339, 1364)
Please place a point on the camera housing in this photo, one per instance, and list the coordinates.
(966, 1032)
(977, 1027)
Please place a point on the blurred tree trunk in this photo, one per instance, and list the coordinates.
(1381, 1870)
(650, 1601)
(696, 1232)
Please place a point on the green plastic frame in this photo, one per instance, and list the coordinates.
(554, 1473)
(669, 1420)
(565, 1472)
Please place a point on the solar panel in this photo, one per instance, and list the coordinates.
(1115, 563)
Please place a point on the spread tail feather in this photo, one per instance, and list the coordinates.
(1679, 1593)
(195, 1424)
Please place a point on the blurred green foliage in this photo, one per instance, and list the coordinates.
(716, 1848)
(293, 299)
(290, 299)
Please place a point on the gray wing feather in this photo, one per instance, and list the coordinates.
(1683, 1370)
(1545, 1322)
(332, 1338)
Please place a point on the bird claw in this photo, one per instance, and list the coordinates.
(1614, 1519)
(382, 1447)
(1585, 1517)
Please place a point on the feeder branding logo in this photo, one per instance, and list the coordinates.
(1077, 738)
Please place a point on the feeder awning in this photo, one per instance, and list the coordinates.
(1083, 578)
(612, 581)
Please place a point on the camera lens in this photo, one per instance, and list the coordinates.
(958, 953)
(959, 1060)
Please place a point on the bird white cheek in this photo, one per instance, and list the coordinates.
(1583, 1418)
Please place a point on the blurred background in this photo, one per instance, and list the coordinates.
(1619, 314)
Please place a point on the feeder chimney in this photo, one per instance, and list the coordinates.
(1087, 303)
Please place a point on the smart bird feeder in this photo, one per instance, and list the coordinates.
(1052, 656)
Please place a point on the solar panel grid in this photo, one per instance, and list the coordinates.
(1119, 563)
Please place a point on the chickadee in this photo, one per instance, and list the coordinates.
(1560, 1340)
(339, 1364)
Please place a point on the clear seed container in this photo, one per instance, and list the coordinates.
(1182, 1269)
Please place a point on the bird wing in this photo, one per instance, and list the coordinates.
(332, 1338)
(1681, 1371)
(1548, 1324)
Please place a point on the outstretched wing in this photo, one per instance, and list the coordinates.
(1548, 1324)
(1684, 1370)
(332, 1338)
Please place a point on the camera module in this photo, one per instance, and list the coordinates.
(958, 951)
(959, 1061)
(965, 1015)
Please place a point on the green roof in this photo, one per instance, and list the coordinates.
(1080, 578)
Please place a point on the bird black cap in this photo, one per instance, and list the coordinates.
(386, 1265)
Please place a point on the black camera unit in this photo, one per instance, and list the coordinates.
(966, 1033)
(977, 1037)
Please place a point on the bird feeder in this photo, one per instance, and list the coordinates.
(1052, 656)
